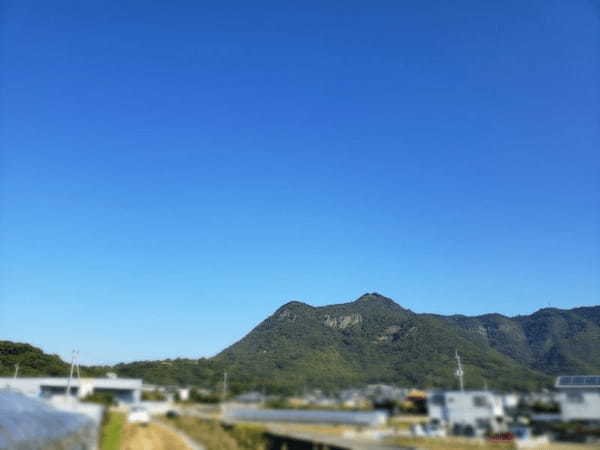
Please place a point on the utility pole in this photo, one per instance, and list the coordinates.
(459, 371)
(16, 371)
(224, 386)
(71, 373)
(78, 374)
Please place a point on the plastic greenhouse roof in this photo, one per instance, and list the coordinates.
(27, 420)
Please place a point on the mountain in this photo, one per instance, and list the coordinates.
(371, 340)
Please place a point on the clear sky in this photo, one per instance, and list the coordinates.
(173, 172)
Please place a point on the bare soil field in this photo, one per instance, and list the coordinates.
(151, 437)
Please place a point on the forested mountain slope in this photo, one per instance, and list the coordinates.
(371, 340)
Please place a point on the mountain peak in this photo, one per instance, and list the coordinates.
(372, 297)
(293, 305)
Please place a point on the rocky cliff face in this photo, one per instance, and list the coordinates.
(342, 322)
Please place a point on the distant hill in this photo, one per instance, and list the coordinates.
(371, 340)
(33, 362)
(201, 372)
(552, 341)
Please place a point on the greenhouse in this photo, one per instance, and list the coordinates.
(358, 418)
(27, 423)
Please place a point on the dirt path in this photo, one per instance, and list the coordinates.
(151, 437)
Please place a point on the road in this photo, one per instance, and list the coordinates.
(155, 436)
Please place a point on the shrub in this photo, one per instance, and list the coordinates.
(102, 398)
(153, 396)
(198, 397)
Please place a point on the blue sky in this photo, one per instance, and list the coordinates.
(173, 172)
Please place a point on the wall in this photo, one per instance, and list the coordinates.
(588, 409)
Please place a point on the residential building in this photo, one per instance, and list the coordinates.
(466, 412)
(579, 398)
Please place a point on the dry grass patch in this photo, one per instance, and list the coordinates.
(450, 443)
(213, 436)
(151, 437)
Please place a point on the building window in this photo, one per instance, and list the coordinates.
(574, 397)
(438, 400)
(479, 401)
(483, 423)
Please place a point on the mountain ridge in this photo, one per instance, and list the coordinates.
(374, 339)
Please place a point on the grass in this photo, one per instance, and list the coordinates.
(450, 443)
(333, 430)
(110, 437)
(213, 436)
(248, 437)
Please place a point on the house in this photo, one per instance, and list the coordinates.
(466, 412)
(579, 398)
(353, 398)
(318, 398)
(383, 393)
(250, 398)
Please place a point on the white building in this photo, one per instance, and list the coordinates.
(579, 398)
(125, 390)
(184, 394)
(471, 412)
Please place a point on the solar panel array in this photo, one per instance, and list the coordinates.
(578, 381)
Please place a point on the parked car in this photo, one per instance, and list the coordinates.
(172, 414)
(506, 436)
(138, 414)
